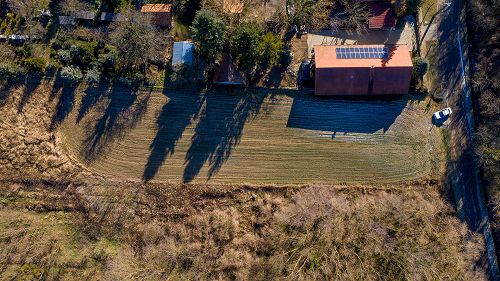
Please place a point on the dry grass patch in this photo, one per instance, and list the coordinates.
(246, 233)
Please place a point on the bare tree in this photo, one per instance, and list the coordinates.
(136, 40)
(70, 6)
(309, 13)
(29, 10)
(352, 15)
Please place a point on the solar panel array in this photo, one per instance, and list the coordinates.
(362, 53)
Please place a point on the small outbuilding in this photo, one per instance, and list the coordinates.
(111, 17)
(161, 14)
(182, 53)
(227, 73)
(67, 20)
(362, 69)
(84, 15)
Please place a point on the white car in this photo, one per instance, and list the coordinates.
(441, 116)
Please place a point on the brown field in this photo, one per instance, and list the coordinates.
(242, 137)
(58, 221)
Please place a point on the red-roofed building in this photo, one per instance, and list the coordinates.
(382, 15)
(227, 73)
(161, 14)
(362, 69)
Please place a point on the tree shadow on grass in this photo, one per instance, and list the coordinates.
(90, 98)
(31, 84)
(219, 130)
(175, 116)
(123, 110)
(64, 105)
(274, 77)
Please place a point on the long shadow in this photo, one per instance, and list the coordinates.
(65, 103)
(175, 116)
(122, 112)
(5, 91)
(31, 84)
(344, 115)
(90, 98)
(274, 77)
(219, 130)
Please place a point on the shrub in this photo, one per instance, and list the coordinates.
(25, 51)
(124, 81)
(35, 64)
(271, 47)
(93, 76)
(64, 57)
(209, 33)
(71, 74)
(11, 72)
(83, 54)
(420, 67)
(405, 7)
(107, 61)
(245, 45)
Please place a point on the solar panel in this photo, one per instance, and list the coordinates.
(362, 53)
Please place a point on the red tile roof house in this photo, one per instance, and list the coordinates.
(161, 14)
(382, 16)
(362, 70)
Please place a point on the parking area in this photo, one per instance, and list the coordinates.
(403, 35)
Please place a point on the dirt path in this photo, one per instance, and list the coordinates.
(248, 138)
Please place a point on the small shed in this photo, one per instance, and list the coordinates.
(161, 14)
(84, 15)
(111, 17)
(67, 20)
(227, 73)
(182, 53)
(362, 69)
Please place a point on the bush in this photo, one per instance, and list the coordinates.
(25, 51)
(271, 47)
(11, 72)
(420, 67)
(93, 76)
(245, 45)
(71, 74)
(64, 57)
(83, 54)
(209, 33)
(405, 7)
(124, 81)
(35, 64)
(107, 61)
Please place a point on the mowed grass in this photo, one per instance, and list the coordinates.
(236, 137)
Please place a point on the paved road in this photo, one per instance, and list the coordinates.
(453, 73)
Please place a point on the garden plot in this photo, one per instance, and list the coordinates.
(242, 137)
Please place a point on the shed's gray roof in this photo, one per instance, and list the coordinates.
(84, 15)
(183, 53)
(111, 17)
(67, 20)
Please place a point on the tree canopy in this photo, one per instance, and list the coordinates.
(209, 32)
(420, 67)
(135, 39)
(245, 45)
(271, 48)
